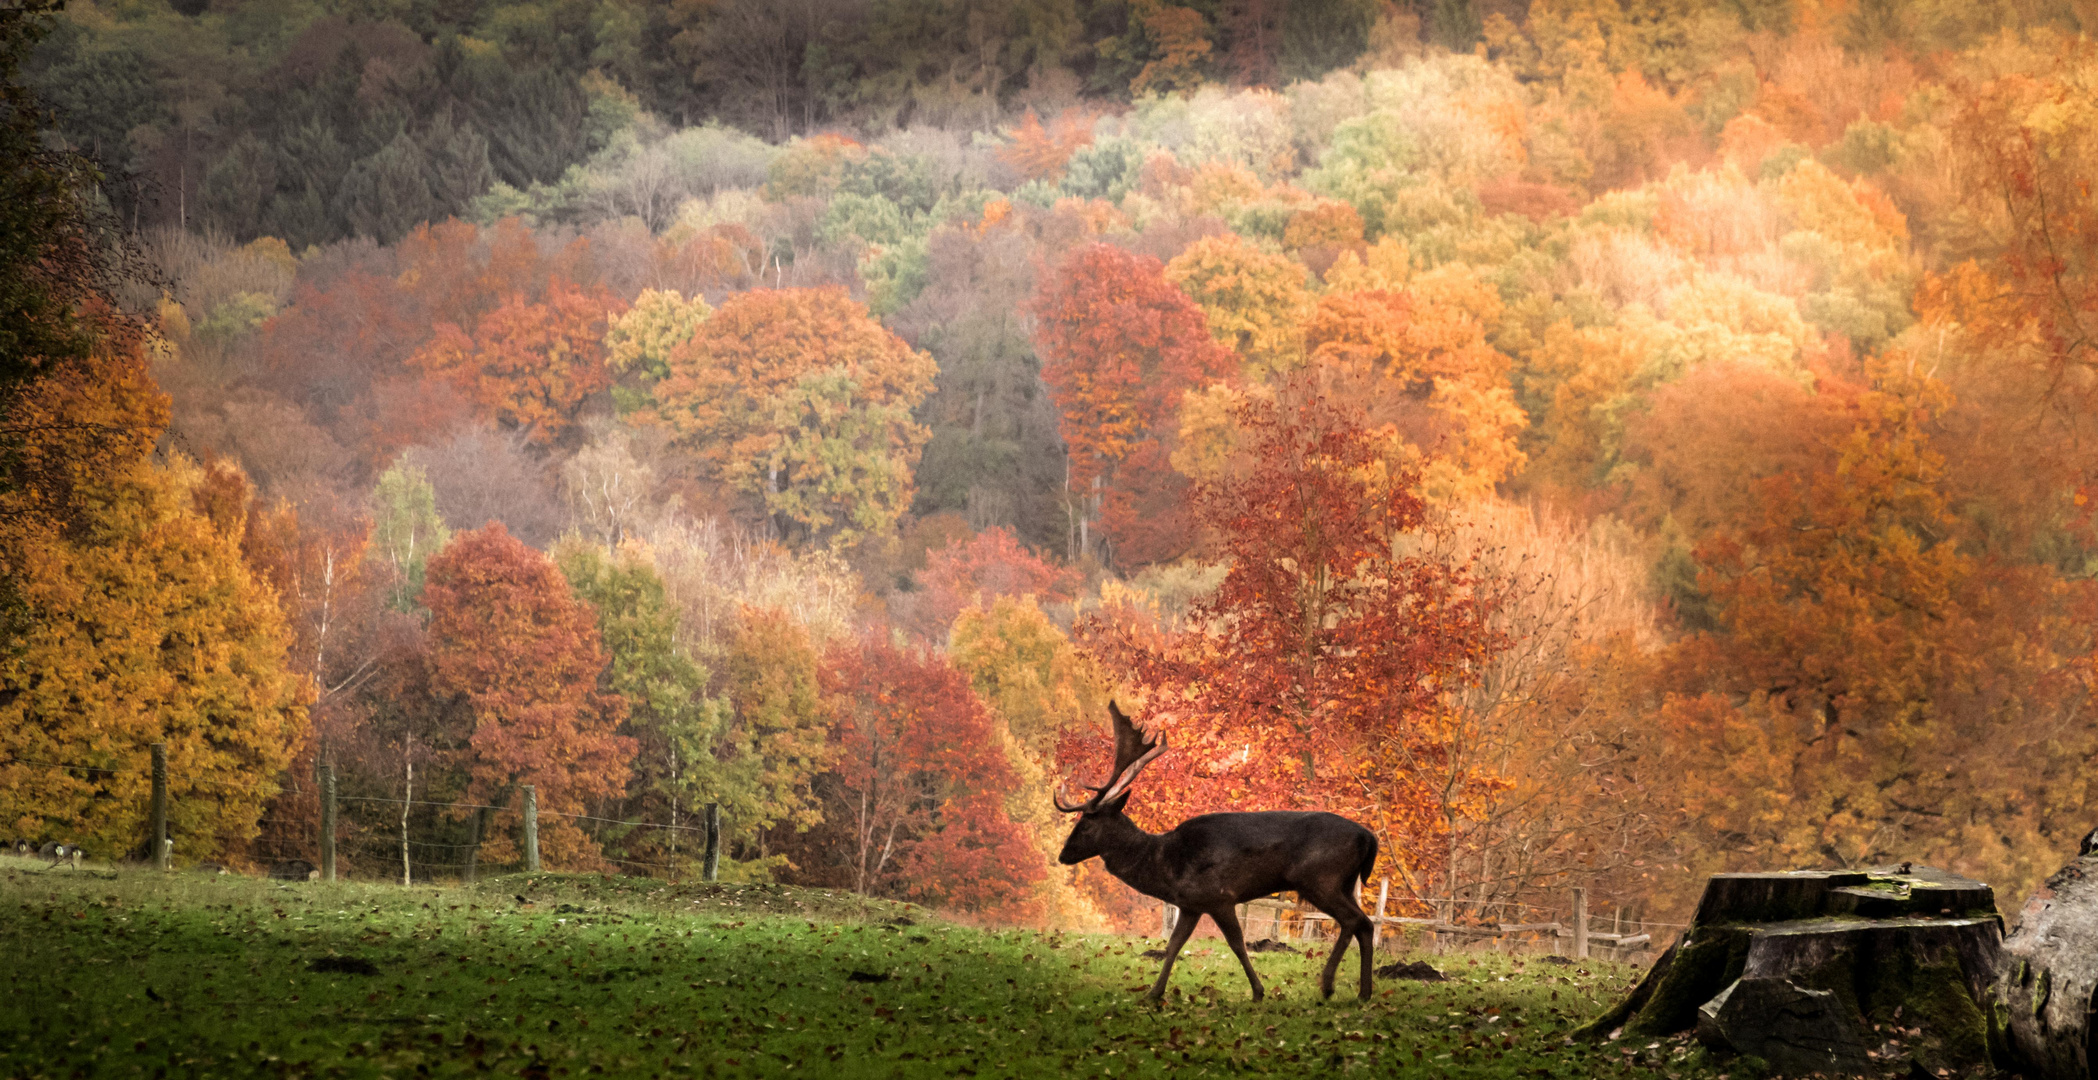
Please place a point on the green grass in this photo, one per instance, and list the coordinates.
(133, 973)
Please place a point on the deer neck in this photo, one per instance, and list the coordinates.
(1133, 855)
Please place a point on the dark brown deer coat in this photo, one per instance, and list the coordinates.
(1210, 864)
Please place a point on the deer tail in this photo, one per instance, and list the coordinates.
(1368, 865)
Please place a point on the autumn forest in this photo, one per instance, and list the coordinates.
(1591, 442)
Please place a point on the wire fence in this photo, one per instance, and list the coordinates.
(410, 840)
(404, 839)
(1572, 931)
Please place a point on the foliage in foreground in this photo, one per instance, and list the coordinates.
(132, 973)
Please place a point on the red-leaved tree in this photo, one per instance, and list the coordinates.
(976, 571)
(915, 804)
(509, 638)
(1314, 676)
(1120, 346)
(359, 341)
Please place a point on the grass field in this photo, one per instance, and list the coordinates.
(132, 973)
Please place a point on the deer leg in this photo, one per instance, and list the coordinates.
(1348, 922)
(1183, 928)
(1227, 921)
(1364, 935)
(1340, 948)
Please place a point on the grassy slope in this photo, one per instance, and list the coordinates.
(134, 973)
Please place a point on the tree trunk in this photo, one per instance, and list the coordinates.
(407, 803)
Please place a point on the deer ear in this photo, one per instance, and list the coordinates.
(1114, 805)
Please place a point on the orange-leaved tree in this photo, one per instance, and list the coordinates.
(510, 639)
(1121, 346)
(1326, 224)
(1314, 676)
(800, 398)
(318, 575)
(1040, 153)
(144, 625)
(1176, 46)
(317, 571)
(918, 787)
(528, 365)
(2030, 142)
(371, 311)
(2027, 305)
(1875, 687)
(1421, 357)
(130, 619)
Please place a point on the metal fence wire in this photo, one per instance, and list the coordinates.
(412, 840)
(376, 837)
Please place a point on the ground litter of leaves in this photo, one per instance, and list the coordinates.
(138, 974)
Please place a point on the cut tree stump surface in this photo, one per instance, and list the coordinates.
(1903, 948)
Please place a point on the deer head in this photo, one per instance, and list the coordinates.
(1098, 816)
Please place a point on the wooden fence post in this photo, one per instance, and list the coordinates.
(407, 804)
(1580, 921)
(327, 821)
(531, 822)
(473, 854)
(712, 867)
(160, 806)
(1377, 928)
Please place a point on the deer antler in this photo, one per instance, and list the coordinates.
(1128, 775)
(1132, 753)
(1058, 798)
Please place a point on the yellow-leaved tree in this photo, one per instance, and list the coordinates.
(1255, 301)
(638, 341)
(1037, 685)
(145, 625)
(799, 398)
(1418, 353)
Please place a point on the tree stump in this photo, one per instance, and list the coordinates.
(1795, 1030)
(1818, 959)
(2049, 980)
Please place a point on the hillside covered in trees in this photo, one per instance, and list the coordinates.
(1592, 442)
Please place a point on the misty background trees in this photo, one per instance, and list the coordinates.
(821, 408)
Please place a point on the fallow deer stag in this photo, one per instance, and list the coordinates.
(1212, 863)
